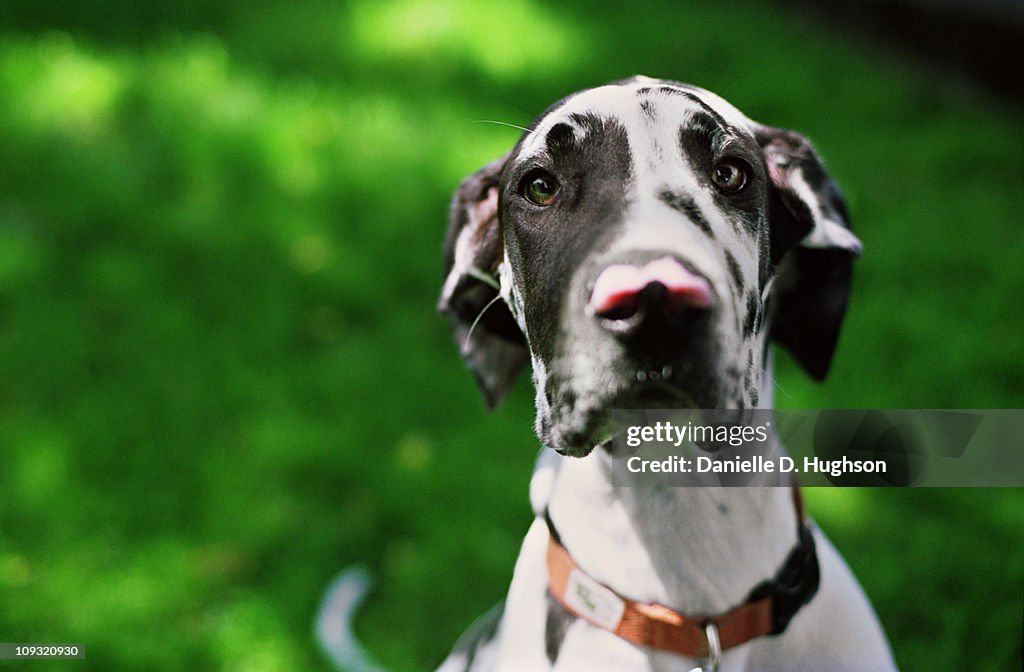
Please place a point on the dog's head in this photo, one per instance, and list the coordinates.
(640, 245)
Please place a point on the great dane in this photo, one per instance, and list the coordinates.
(641, 246)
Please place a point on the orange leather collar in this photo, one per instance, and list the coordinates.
(766, 612)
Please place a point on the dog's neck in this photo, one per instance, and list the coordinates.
(699, 550)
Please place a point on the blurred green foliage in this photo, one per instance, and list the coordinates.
(221, 374)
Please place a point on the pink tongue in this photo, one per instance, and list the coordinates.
(621, 282)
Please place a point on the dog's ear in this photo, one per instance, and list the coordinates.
(812, 247)
(487, 335)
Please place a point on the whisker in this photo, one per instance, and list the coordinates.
(483, 310)
(501, 123)
(779, 387)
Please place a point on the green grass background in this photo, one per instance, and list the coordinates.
(221, 374)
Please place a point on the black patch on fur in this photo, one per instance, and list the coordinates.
(688, 207)
(703, 141)
(590, 121)
(697, 141)
(555, 626)
(547, 244)
(480, 635)
(735, 271)
(750, 321)
(647, 108)
(748, 379)
(561, 137)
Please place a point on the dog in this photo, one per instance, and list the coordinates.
(641, 246)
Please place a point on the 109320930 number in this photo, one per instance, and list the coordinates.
(20, 651)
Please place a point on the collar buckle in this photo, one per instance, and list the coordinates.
(714, 656)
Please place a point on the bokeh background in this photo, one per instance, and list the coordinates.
(222, 378)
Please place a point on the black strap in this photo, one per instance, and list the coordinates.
(794, 584)
(551, 527)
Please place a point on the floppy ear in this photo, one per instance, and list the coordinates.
(812, 247)
(488, 337)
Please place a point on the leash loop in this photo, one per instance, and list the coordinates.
(711, 662)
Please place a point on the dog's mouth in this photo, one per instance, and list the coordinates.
(577, 431)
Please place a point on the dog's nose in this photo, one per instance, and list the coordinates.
(660, 296)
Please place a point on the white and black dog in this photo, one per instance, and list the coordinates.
(640, 247)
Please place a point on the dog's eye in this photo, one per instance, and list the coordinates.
(540, 187)
(730, 175)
